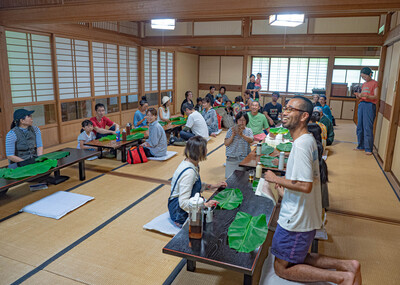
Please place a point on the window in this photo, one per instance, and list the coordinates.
(105, 69)
(317, 70)
(298, 75)
(30, 66)
(152, 98)
(347, 70)
(150, 70)
(128, 69)
(44, 114)
(357, 61)
(278, 74)
(166, 70)
(76, 110)
(291, 74)
(129, 102)
(111, 104)
(261, 65)
(73, 68)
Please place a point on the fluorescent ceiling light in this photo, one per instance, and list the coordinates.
(163, 24)
(286, 20)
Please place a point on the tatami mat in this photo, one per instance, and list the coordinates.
(12, 270)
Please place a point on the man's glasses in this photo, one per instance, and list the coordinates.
(290, 109)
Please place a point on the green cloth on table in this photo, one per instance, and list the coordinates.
(139, 130)
(28, 170)
(108, 138)
(135, 137)
(53, 155)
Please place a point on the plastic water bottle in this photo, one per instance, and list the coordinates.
(281, 160)
(118, 135)
(258, 149)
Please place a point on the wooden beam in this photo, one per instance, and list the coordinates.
(133, 10)
(369, 40)
(80, 32)
(393, 36)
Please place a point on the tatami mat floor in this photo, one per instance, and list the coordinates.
(103, 242)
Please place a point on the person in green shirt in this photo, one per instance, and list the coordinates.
(257, 122)
(328, 124)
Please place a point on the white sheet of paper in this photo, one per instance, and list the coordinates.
(263, 190)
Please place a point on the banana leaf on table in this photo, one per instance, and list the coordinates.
(266, 160)
(29, 170)
(162, 123)
(136, 136)
(266, 149)
(176, 119)
(180, 122)
(286, 147)
(255, 184)
(229, 199)
(247, 233)
(287, 136)
(279, 130)
(139, 130)
(52, 155)
(108, 138)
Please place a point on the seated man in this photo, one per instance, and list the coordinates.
(301, 209)
(328, 124)
(257, 122)
(100, 121)
(325, 108)
(24, 140)
(195, 125)
(273, 110)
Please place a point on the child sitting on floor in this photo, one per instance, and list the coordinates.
(199, 106)
(86, 135)
(218, 101)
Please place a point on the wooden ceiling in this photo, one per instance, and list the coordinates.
(72, 11)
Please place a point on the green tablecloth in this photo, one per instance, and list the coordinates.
(28, 170)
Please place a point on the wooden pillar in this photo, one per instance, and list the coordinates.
(244, 75)
(329, 74)
(55, 82)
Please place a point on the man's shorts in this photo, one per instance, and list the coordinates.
(291, 246)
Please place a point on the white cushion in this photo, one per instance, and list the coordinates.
(165, 157)
(163, 224)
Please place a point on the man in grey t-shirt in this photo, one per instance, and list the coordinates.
(301, 212)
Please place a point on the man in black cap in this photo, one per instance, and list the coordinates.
(24, 140)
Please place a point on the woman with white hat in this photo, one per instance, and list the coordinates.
(163, 111)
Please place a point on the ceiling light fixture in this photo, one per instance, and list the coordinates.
(286, 20)
(163, 24)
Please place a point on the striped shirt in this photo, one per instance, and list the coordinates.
(11, 139)
(239, 147)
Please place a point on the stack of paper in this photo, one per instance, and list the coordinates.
(264, 190)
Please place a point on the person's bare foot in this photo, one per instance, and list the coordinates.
(348, 278)
(358, 149)
(368, 153)
(214, 135)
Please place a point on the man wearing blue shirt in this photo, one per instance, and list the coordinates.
(24, 140)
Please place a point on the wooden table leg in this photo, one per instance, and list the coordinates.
(123, 154)
(247, 280)
(101, 152)
(191, 265)
(82, 175)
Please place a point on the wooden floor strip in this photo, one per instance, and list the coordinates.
(364, 216)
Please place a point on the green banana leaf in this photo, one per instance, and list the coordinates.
(286, 147)
(139, 130)
(266, 149)
(176, 119)
(279, 130)
(4, 172)
(255, 184)
(266, 160)
(162, 123)
(181, 122)
(30, 170)
(108, 138)
(53, 155)
(229, 198)
(136, 136)
(247, 233)
(217, 107)
(287, 136)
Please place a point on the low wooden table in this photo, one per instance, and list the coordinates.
(213, 248)
(252, 159)
(121, 145)
(75, 156)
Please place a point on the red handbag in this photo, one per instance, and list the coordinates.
(136, 155)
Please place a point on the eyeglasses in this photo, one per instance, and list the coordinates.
(291, 109)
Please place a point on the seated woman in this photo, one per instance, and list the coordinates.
(315, 117)
(199, 105)
(237, 142)
(188, 99)
(156, 144)
(210, 116)
(139, 119)
(163, 111)
(186, 181)
(23, 141)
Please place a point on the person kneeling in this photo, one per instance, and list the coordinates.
(156, 144)
(186, 181)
